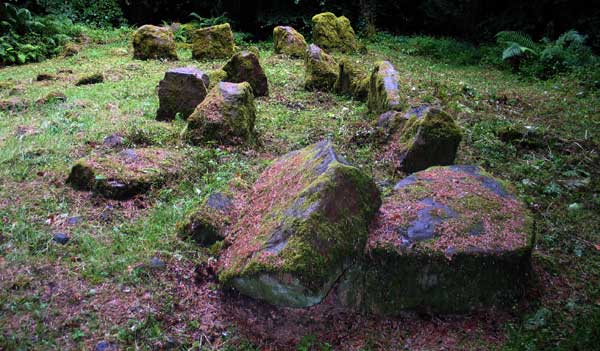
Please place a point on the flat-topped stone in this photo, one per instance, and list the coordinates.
(214, 42)
(286, 40)
(124, 174)
(152, 42)
(447, 239)
(305, 221)
(180, 91)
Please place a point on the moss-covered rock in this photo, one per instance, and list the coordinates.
(321, 70)
(305, 221)
(429, 140)
(126, 173)
(334, 33)
(216, 76)
(351, 80)
(181, 90)
(448, 239)
(226, 115)
(286, 40)
(245, 67)
(152, 42)
(214, 42)
(94, 78)
(384, 90)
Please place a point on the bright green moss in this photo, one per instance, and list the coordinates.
(286, 40)
(333, 33)
(152, 42)
(214, 42)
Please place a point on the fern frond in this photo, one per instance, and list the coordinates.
(524, 40)
(571, 37)
(515, 50)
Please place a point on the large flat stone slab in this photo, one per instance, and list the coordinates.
(448, 239)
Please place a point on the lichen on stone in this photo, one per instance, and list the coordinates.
(286, 40)
(214, 42)
(245, 67)
(321, 70)
(152, 42)
(384, 90)
(334, 33)
(351, 80)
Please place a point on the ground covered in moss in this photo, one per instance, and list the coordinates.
(124, 276)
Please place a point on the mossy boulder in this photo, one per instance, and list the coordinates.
(305, 221)
(321, 69)
(422, 142)
(127, 173)
(180, 91)
(351, 80)
(207, 224)
(152, 43)
(226, 115)
(216, 76)
(448, 239)
(94, 78)
(286, 40)
(214, 42)
(334, 33)
(384, 90)
(245, 67)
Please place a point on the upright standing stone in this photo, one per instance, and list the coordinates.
(352, 80)
(334, 33)
(152, 42)
(305, 221)
(286, 40)
(214, 42)
(181, 91)
(321, 69)
(226, 115)
(245, 67)
(384, 90)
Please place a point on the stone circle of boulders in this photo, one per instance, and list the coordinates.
(181, 90)
(321, 70)
(334, 33)
(124, 174)
(245, 67)
(286, 40)
(152, 42)
(421, 140)
(226, 115)
(448, 239)
(306, 220)
(214, 42)
(384, 90)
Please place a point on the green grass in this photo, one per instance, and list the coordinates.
(108, 255)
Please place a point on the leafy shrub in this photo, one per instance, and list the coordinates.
(102, 13)
(29, 38)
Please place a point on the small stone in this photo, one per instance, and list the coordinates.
(214, 42)
(152, 42)
(105, 346)
(180, 91)
(157, 263)
(91, 79)
(73, 220)
(113, 141)
(45, 76)
(61, 238)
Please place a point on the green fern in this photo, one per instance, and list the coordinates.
(518, 44)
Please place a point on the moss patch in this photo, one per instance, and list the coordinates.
(214, 42)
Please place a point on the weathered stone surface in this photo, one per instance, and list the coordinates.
(351, 80)
(245, 67)
(422, 142)
(286, 40)
(448, 239)
(306, 219)
(226, 115)
(321, 70)
(90, 79)
(126, 173)
(181, 90)
(384, 90)
(214, 42)
(333, 33)
(152, 42)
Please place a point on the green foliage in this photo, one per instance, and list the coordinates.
(518, 44)
(30, 38)
(102, 13)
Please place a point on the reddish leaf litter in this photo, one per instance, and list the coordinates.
(502, 218)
